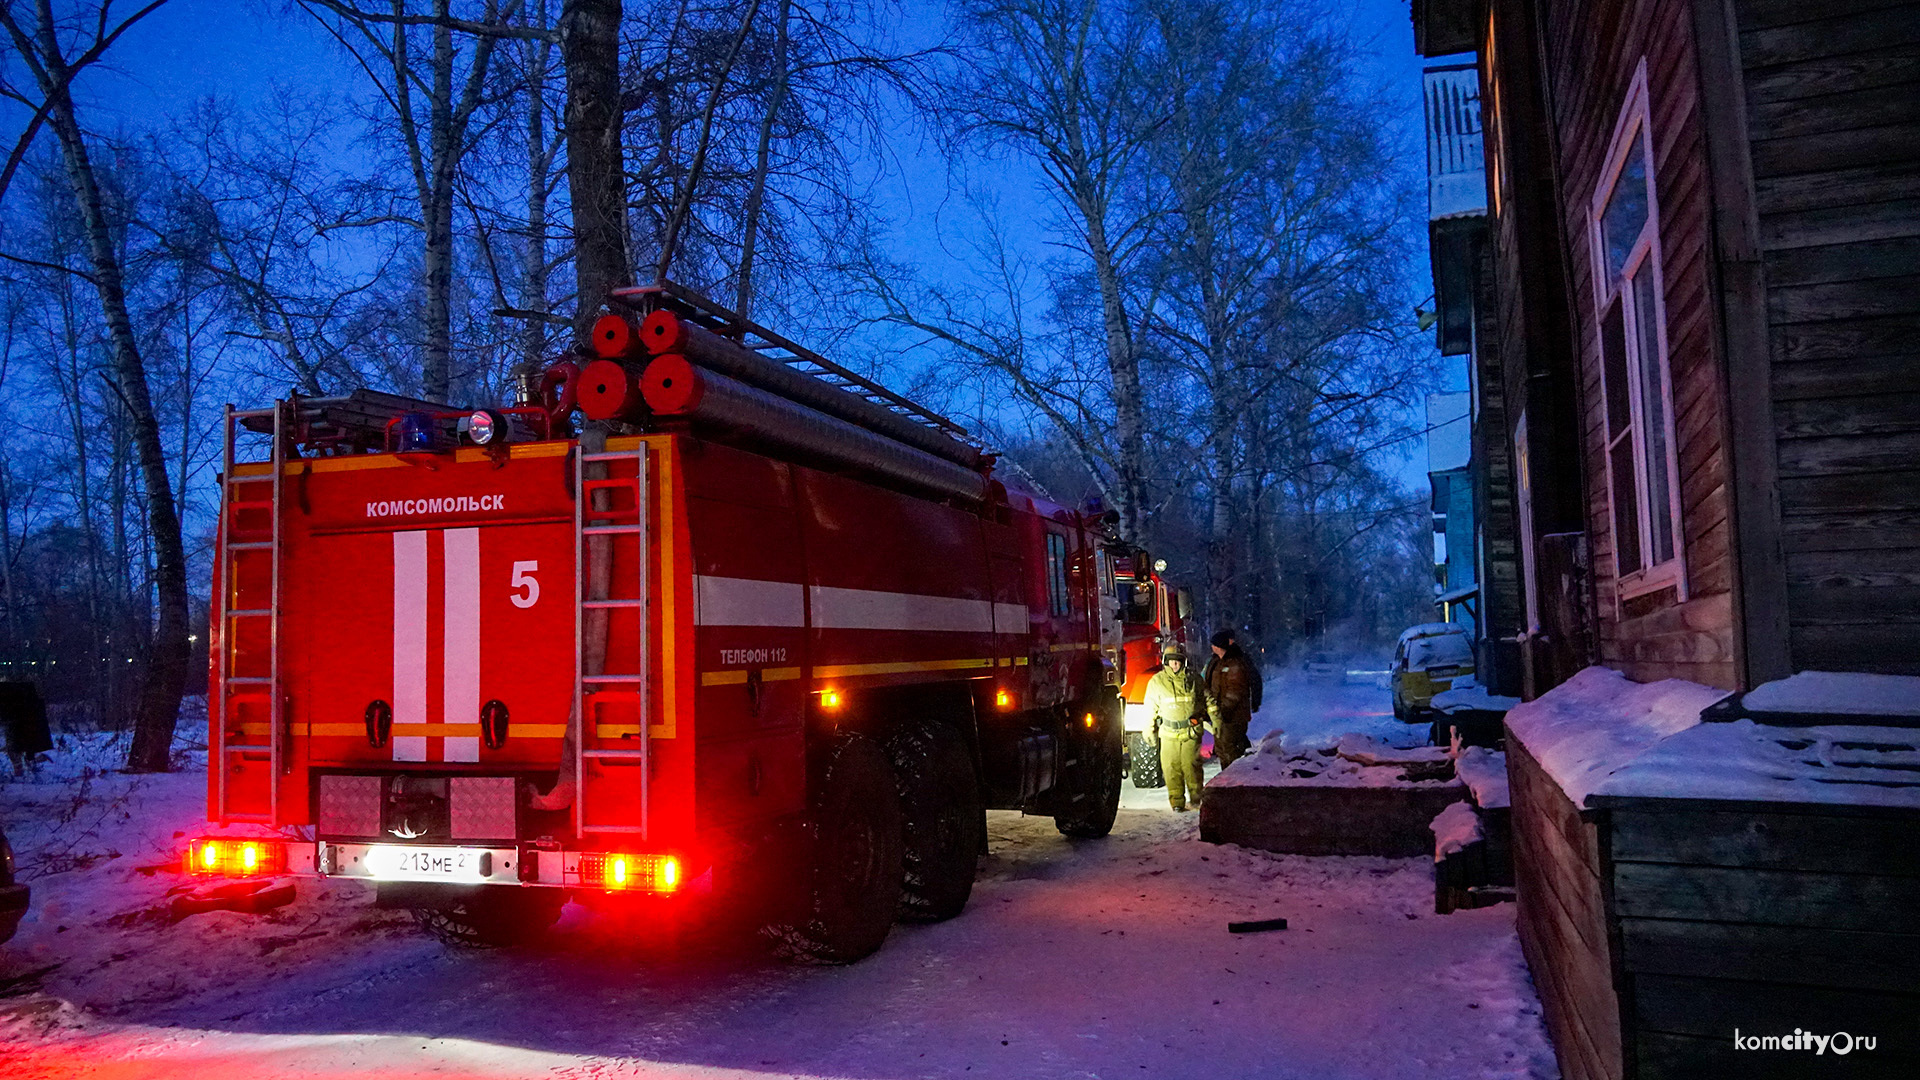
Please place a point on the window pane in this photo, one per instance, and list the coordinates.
(1056, 574)
(1626, 210)
(1626, 508)
(1613, 356)
(1653, 408)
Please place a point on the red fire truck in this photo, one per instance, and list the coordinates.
(763, 629)
(1153, 617)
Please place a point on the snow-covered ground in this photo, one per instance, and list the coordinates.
(1316, 712)
(1102, 958)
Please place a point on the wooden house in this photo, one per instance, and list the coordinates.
(1703, 310)
(1697, 302)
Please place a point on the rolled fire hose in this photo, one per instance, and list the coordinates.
(674, 386)
(664, 333)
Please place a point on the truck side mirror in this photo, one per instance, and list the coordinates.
(1186, 604)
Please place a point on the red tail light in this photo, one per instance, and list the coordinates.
(622, 872)
(233, 858)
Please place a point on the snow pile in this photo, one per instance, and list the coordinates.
(1454, 828)
(1353, 761)
(1595, 723)
(1472, 697)
(1836, 692)
(1314, 713)
(1484, 772)
(1367, 750)
(1870, 766)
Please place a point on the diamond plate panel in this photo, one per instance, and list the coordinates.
(482, 807)
(349, 806)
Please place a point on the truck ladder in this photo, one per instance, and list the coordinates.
(231, 610)
(594, 525)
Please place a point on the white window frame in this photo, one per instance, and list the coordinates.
(1635, 123)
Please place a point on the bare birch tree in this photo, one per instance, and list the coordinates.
(596, 170)
(383, 46)
(1063, 84)
(49, 50)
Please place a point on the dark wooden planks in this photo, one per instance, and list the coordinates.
(1778, 954)
(1562, 921)
(1839, 188)
(1834, 118)
(1766, 917)
(1703, 834)
(1690, 1005)
(1890, 412)
(1765, 14)
(1894, 257)
(1893, 649)
(1889, 566)
(1825, 901)
(1862, 29)
(1824, 75)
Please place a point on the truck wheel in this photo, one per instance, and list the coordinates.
(1146, 761)
(493, 916)
(1092, 788)
(941, 821)
(854, 882)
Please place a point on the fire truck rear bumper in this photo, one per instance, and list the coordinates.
(654, 872)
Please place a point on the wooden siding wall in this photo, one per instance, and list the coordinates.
(1833, 108)
(1592, 50)
(1562, 921)
(1501, 609)
(1765, 918)
(1530, 327)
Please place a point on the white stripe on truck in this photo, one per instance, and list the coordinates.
(409, 643)
(460, 696)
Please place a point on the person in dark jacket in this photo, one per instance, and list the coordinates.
(1230, 689)
(24, 717)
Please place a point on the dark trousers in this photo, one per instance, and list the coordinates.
(1230, 735)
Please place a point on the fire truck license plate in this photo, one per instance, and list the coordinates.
(390, 862)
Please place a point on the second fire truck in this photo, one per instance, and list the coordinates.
(762, 630)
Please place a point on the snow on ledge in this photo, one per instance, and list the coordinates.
(1844, 693)
(1742, 760)
(1484, 772)
(1453, 829)
(1597, 722)
(1272, 764)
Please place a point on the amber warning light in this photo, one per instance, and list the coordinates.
(233, 858)
(622, 872)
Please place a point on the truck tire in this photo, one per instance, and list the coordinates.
(1146, 761)
(493, 916)
(940, 820)
(1091, 787)
(854, 881)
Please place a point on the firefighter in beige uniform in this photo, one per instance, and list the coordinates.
(1177, 702)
